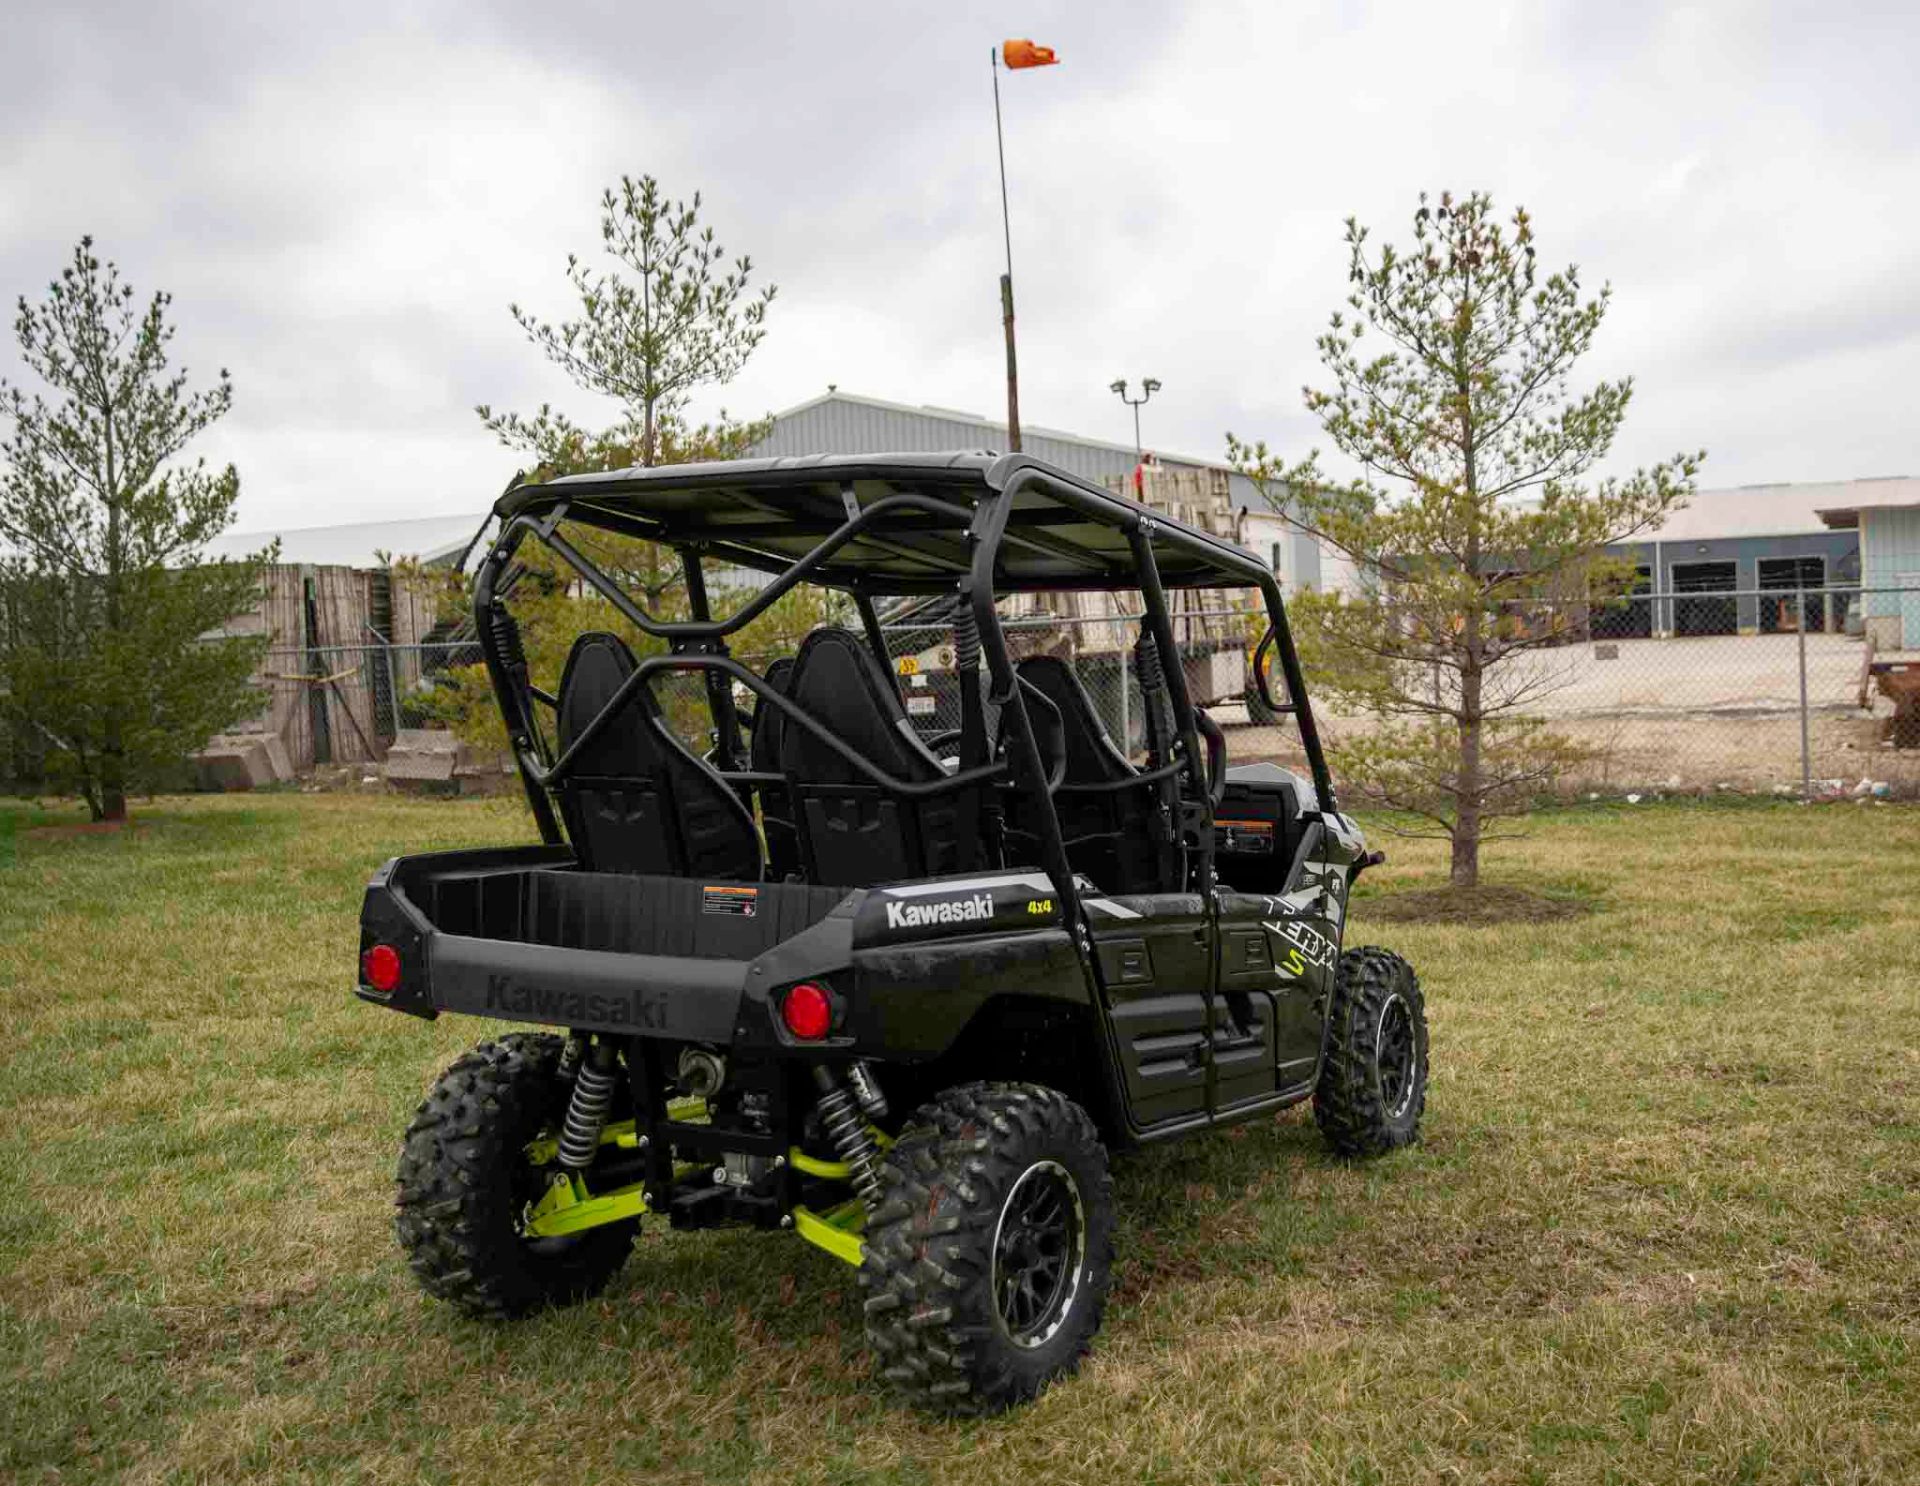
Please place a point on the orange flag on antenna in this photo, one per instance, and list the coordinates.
(1025, 54)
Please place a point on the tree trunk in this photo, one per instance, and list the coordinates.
(113, 750)
(1465, 867)
(113, 775)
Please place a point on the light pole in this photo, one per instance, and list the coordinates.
(1017, 54)
(1148, 386)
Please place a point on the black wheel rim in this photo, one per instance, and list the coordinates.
(1396, 1056)
(1039, 1253)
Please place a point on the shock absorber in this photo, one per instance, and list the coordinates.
(507, 641)
(866, 1088)
(593, 1090)
(852, 1141)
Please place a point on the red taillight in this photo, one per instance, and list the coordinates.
(807, 1011)
(380, 967)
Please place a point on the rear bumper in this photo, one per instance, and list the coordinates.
(646, 995)
(475, 931)
(516, 935)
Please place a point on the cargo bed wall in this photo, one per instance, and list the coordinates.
(622, 914)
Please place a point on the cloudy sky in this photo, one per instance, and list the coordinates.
(344, 203)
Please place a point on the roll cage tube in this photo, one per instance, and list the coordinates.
(560, 768)
(515, 706)
(699, 644)
(784, 583)
(1229, 561)
(989, 525)
(1174, 672)
(726, 724)
(1279, 638)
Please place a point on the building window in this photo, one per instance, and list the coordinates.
(1276, 557)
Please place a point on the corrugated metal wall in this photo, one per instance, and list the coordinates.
(1889, 553)
(844, 425)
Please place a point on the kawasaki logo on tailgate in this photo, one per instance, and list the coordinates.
(516, 998)
(975, 908)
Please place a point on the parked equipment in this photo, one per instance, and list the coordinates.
(895, 995)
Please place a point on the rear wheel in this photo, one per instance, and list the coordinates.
(1373, 1084)
(988, 1258)
(467, 1180)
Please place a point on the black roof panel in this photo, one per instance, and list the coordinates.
(770, 513)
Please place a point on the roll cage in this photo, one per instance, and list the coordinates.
(977, 526)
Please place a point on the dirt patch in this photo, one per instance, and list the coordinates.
(1490, 903)
(80, 828)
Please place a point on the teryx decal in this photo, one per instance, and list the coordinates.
(1308, 942)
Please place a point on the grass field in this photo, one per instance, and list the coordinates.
(1663, 1227)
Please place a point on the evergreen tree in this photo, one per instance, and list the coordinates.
(108, 658)
(683, 319)
(1471, 521)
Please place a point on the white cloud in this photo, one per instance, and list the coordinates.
(343, 207)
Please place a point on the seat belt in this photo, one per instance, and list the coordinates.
(973, 730)
(1158, 708)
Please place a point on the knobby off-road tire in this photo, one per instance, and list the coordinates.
(989, 1256)
(465, 1182)
(1373, 1084)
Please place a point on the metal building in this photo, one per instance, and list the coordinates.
(1884, 515)
(1713, 566)
(840, 423)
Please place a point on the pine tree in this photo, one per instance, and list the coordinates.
(683, 320)
(107, 659)
(1471, 521)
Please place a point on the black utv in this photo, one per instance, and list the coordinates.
(810, 969)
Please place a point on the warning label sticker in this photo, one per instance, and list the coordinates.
(742, 902)
(1247, 837)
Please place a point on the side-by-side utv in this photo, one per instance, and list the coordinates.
(809, 970)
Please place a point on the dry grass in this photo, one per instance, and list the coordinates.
(1663, 1227)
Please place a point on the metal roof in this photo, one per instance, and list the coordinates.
(426, 538)
(845, 423)
(1841, 505)
(1786, 510)
(1062, 532)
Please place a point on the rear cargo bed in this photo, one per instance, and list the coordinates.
(619, 914)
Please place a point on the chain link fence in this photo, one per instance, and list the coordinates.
(1788, 691)
(1694, 693)
(338, 704)
(1756, 691)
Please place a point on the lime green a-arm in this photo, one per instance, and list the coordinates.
(837, 1230)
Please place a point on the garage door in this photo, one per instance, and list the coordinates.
(1696, 609)
(1629, 617)
(1780, 615)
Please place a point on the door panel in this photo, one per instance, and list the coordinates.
(1155, 965)
(1279, 950)
(1247, 1015)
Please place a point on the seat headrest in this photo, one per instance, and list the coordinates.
(597, 666)
(1091, 753)
(763, 744)
(838, 679)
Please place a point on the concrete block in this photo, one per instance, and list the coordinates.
(234, 762)
(424, 759)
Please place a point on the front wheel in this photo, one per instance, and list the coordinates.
(1373, 1083)
(469, 1174)
(989, 1255)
